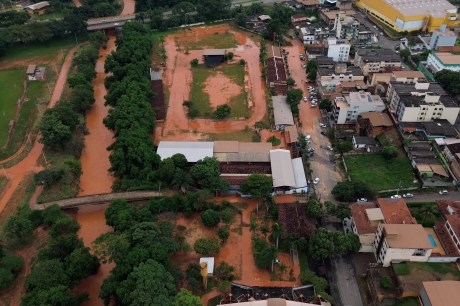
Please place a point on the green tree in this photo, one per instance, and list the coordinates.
(351, 190)
(111, 247)
(314, 209)
(390, 152)
(180, 161)
(54, 132)
(241, 19)
(264, 253)
(56, 295)
(222, 112)
(276, 232)
(6, 278)
(321, 245)
(293, 98)
(450, 80)
(256, 8)
(230, 56)
(186, 298)
(181, 180)
(325, 104)
(120, 214)
(80, 264)
(206, 246)
(224, 272)
(257, 185)
(194, 62)
(290, 81)
(148, 284)
(206, 172)
(344, 146)
(312, 68)
(405, 53)
(18, 228)
(223, 234)
(385, 282)
(210, 217)
(47, 274)
(242, 62)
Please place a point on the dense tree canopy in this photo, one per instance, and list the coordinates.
(351, 190)
(450, 80)
(257, 185)
(206, 173)
(324, 243)
(293, 98)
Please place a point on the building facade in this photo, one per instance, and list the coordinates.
(376, 60)
(339, 50)
(442, 37)
(346, 27)
(347, 109)
(438, 61)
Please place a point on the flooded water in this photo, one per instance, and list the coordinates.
(92, 222)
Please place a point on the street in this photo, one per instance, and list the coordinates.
(433, 197)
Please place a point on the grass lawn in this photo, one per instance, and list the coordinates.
(417, 210)
(11, 89)
(46, 51)
(379, 173)
(216, 40)
(3, 181)
(439, 268)
(412, 301)
(247, 135)
(200, 99)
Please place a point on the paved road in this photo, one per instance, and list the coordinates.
(432, 197)
(345, 280)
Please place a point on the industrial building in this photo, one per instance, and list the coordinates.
(411, 15)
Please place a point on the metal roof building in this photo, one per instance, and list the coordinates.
(235, 151)
(282, 111)
(193, 151)
(282, 172)
(299, 173)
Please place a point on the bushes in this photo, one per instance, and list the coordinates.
(222, 112)
(210, 217)
(206, 246)
(263, 253)
(223, 234)
(385, 282)
(10, 266)
(224, 272)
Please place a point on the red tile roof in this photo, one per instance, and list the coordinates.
(446, 241)
(362, 223)
(454, 218)
(395, 211)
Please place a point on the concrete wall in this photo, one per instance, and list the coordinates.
(402, 255)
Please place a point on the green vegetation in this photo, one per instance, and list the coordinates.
(439, 268)
(10, 266)
(3, 181)
(324, 243)
(411, 301)
(11, 87)
(426, 213)
(257, 185)
(385, 282)
(274, 140)
(263, 252)
(349, 191)
(206, 246)
(245, 135)
(378, 173)
(293, 98)
(450, 81)
(216, 40)
(210, 218)
(200, 99)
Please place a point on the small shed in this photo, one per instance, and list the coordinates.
(213, 57)
(362, 142)
(209, 261)
(31, 72)
(37, 8)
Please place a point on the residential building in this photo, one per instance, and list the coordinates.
(345, 87)
(363, 142)
(411, 15)
(347, 109)
(346, 27)
(276, 73)
(297, 19)
(312, 35)
(415, 45)
(314, 51)
(344, 4)
(365, 218)
(372, 124)
(440, 293)
(365, 36)
(376, 60)
(309, 4)
(404, 76)
(339, 50)
(282, 112)
(421, 102)
(449, 230)
(329, 15)
(396, 243)
(327, 78)
(442, 37)
(325, 62)
(38, 8)
(395, 211)
(428, 130)
(438, 61)
(452, 154)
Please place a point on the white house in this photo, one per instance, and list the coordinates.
(339, 50)
(438, 61)
(396, 243)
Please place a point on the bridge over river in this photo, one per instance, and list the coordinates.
(130, 196)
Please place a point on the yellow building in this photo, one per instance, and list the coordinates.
(411, 15)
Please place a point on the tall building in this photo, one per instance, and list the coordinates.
(339, 50)
(442, 37)
(411, 15)
(438, 61)
(347, 109)
(346, 27)
(376, 60)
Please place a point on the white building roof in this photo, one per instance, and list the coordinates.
(210, 262)
(193, 151)
(281, 165)
(374, 214)
(435, 8)
(299, 172)
(282, 111)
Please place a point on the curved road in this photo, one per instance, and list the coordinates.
(29, 164)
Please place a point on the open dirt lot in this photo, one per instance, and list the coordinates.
(178, 78)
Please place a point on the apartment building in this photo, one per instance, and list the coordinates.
(449, 230)
(442, 37)
(313, 36)
(339, 50)
(420, 102)
(395, 243)
(347, 109)
(328, 78)
(376, 60)
(403, 76)
(438, 61)
(346, 27)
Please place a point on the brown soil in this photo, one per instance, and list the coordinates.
(128, 7)
(77, 3)
(221, 89)
(177, 77)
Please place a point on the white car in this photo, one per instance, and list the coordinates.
(305, 99)
(443, 192)
(330, 148)
(310, 87)
(396, 196)
(322, 125)
(307, 137)
(408, 195)
(314, 101)
(361, 200)
(316, 181)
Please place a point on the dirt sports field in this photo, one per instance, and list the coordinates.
(184, 46)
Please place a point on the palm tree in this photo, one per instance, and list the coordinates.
(181, 180)
(428, 212)
(276, 232)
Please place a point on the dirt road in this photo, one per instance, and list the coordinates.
(128, 7)
(29, 164)
(178, 77)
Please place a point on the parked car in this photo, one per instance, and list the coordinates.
(305, 99)
(316, 181)
(310, 87)
(322, 125)
(313, 105)
(443, 192)
(360, 200)
(329, 148)
(307, 137)
(310, 150)
(408, 195)
(396, 196)
(323, 133)
(314, 101)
